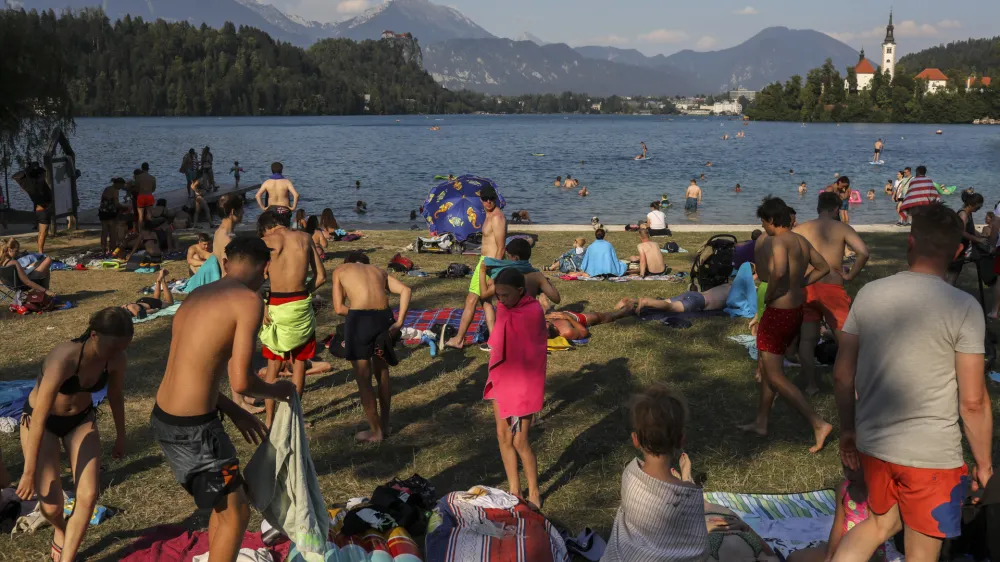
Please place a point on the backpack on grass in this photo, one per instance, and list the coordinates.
(713, 263)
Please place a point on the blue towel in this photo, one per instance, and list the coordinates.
(14, 395)
(601, 259)
(209, 272)
(742, 299)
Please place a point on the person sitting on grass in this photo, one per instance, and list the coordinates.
(852, 509)
(516, 382)
(319, 240)
(572, 259)
(148, 241)
(662, 514)
(162, 298)
(601, 258)
(37, 270)
(650, 257)
(198, 252)
(300, 220)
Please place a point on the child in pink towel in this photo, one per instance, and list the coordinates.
(517, 376)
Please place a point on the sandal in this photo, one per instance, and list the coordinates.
(55, 552)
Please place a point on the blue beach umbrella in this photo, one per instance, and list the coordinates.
(454, 206)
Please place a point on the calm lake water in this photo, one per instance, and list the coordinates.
(396, 161)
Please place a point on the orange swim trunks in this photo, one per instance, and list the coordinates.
(929, 499)
(826, 301)
(145, 200)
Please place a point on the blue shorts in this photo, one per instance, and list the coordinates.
(691, 204)
(844, 205)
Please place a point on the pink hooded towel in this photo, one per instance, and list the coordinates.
(518, 359)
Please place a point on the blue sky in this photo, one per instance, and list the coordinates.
(667, 26)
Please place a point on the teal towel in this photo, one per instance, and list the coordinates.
(742, 299)
(495, 266)
(209, 272)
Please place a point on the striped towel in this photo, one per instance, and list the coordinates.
(423, 320)
(821, 503)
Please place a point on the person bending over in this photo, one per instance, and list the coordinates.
(59, 414)
(215, 331)
(162, 298)
(368, 322)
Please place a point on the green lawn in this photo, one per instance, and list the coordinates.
(442, 428)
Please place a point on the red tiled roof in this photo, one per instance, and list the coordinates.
(932, 74)
(864, 67)
(985, 80)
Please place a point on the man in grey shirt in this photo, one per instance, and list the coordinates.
(910, 363)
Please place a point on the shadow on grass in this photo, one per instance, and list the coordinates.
(81, 296)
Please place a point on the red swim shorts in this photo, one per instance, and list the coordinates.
(581, 318)
(145, 200)
(778, 328)
(305, 351)
(828, 302)
(929, 499)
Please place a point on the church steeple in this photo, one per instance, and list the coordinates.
(862, 57)
(889, 39)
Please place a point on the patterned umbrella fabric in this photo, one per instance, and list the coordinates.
(454, 206)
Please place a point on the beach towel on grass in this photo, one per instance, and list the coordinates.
(282, 485)
(292, 325)
(209, 272)
(422, 320)
(601, 259)
(14, 395)
(488, 525)
(165, 311)
(170, 543)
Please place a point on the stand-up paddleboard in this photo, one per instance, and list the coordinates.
(641, 159)
(538, 154)
(879, 163)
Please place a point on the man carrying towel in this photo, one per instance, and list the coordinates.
(494, 237)
(281, 195)
(215, 328)
(289, 330)
(369, 333)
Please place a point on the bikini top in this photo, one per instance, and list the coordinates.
(72, 384)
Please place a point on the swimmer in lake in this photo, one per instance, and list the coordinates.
(558, 182)
(737, 189)
(708, 164)
(871, 194)
(357, 184)
(643, 155)
(361, 207)
(802, 188)
(583, 192)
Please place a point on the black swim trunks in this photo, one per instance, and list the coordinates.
(361, 330)
(44, 216)
(200, 453)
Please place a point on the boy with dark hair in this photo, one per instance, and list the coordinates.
(909, 367)
(662, 514)
(215, 327)
(782, 259)
(198, 252)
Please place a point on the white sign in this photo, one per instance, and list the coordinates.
(62, 185)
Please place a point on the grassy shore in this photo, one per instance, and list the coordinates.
(442, 428)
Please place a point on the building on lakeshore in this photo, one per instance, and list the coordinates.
(936, 80)
(978, 83)
(726, 107)
(750, 95)
(865, 71)
(889, 49)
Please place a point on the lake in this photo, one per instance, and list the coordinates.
(396, 161)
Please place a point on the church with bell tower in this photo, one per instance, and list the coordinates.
(889, 50)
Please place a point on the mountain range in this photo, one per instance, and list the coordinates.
(461, 54)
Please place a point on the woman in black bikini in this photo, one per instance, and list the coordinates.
(60, 410)
(162, 298)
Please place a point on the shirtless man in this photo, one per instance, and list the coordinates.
(536, 283)
(782, 260)
(215, 328)
(826, 299)
(289, 330)
(368, 320)
(692, 197)
(643, 155)
(576, 325)
(842, 187)
(691, 301)
(199, 252)
(494, 237)
(878, 151)
(281, 195)
(650, 256)
(145, 185)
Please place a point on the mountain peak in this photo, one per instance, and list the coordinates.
(527, 36)
(425, 20)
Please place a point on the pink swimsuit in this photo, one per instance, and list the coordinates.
(855, 513)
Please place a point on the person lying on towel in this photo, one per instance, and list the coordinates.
(162, 298)
(576, 325)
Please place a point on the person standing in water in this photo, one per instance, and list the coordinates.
(878, 151)
(692, 197)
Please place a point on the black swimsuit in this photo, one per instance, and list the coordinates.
(61, 426)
